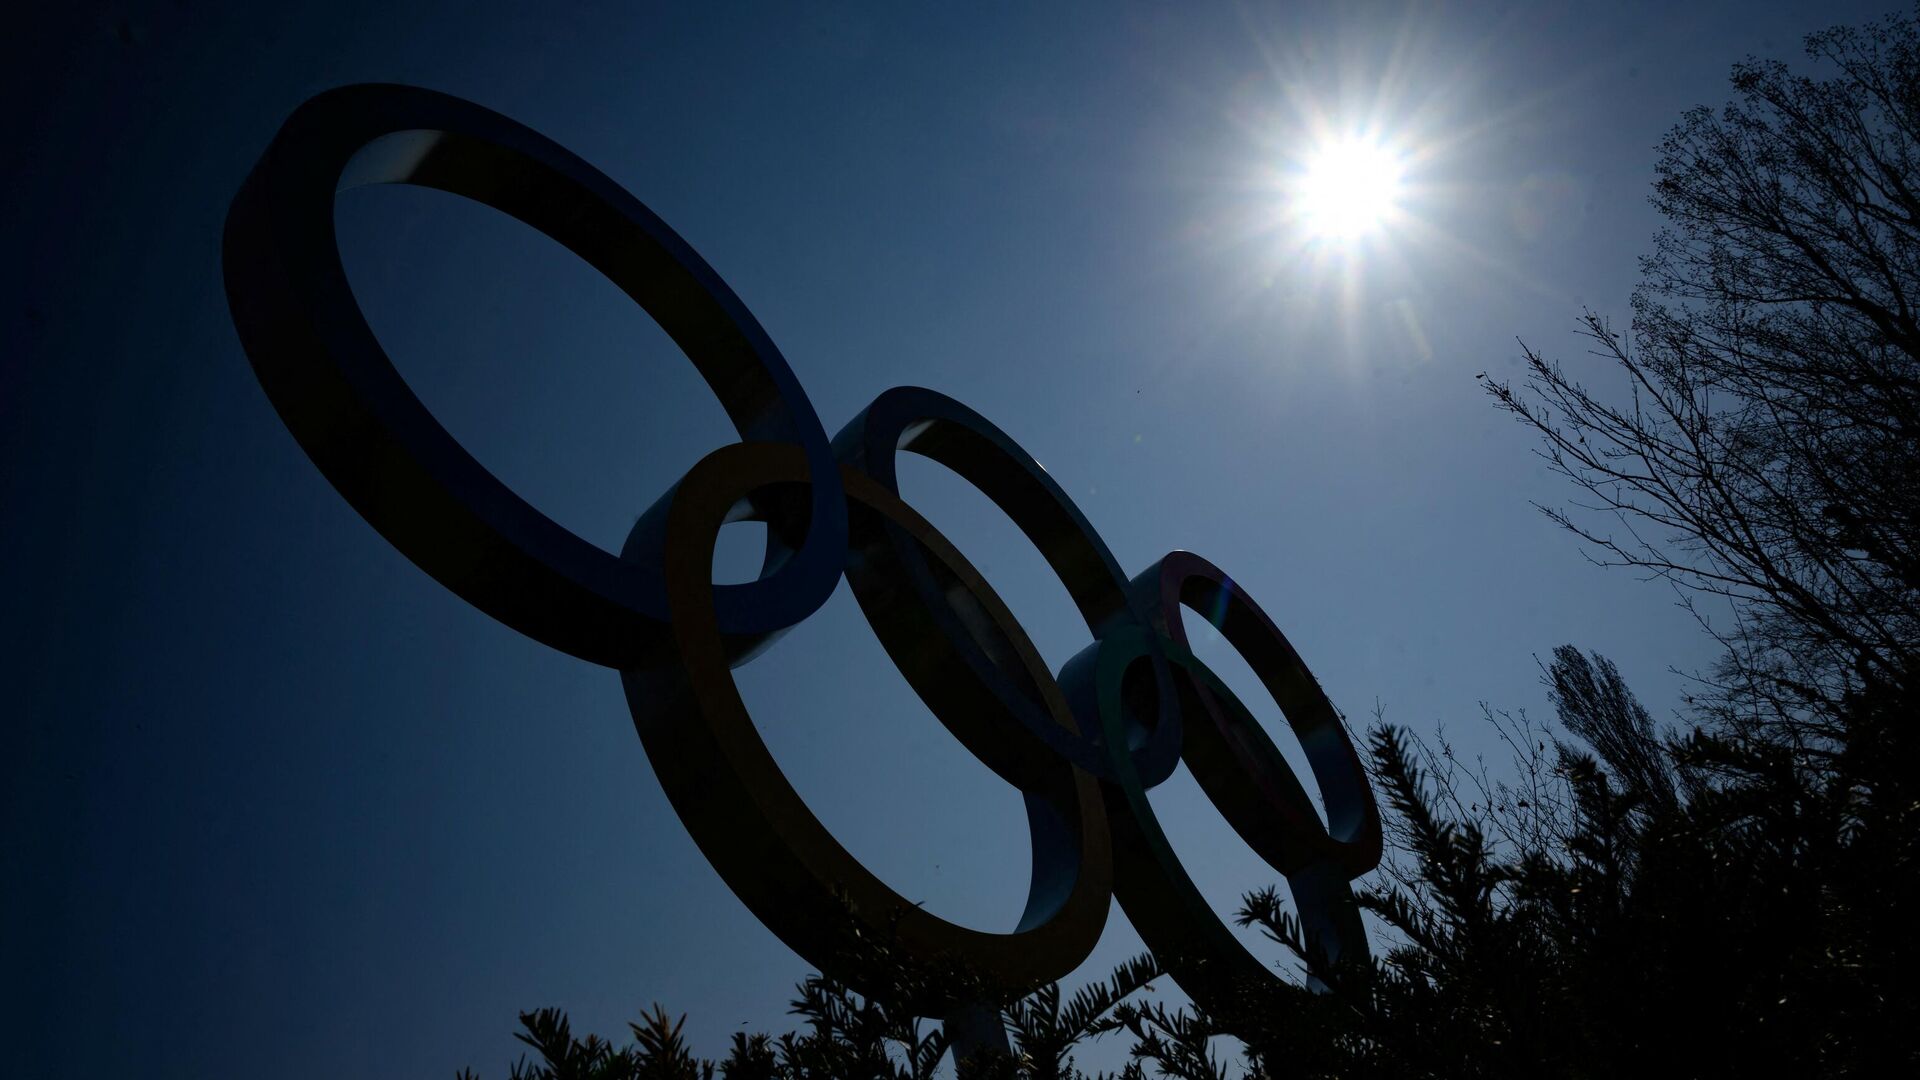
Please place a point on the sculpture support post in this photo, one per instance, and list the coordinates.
(973, 1030)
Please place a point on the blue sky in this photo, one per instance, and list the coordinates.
(277, 803)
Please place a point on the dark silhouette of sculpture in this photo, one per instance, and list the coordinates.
(1083, 746)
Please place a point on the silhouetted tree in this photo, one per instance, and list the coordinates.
(1763, 450)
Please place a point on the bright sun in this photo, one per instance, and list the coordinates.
(1349, 188)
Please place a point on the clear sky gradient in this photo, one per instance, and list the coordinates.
(277, 804)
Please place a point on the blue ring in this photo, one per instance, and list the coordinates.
(340, 395)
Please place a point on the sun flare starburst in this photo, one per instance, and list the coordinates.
(1348, 188)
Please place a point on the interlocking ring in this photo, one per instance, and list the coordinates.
(940, 428)
(339, 394)
(1082, 747)
(778, 858)
(1243, 774)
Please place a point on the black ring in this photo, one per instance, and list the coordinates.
(964, 650)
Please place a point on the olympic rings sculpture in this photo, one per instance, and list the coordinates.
(1082, 746)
